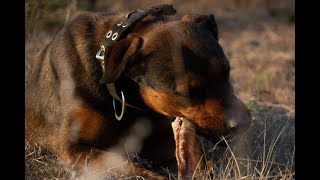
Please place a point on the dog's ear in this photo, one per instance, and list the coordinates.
(207, 21)
(118, 55)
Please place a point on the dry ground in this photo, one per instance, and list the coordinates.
(261, 50)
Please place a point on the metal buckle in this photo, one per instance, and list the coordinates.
(100, 56)
(100, 53)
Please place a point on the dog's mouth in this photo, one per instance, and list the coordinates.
(209, 136)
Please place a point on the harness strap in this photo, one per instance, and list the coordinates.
(113, 92)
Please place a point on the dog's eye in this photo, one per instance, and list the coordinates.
(197, 93)
(223, 93)
(226, 71)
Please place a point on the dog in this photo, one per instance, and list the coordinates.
(162, 69)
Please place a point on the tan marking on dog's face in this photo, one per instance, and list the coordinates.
(185, 73)
(207, 115)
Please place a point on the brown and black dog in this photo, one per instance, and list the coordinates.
(168, 68)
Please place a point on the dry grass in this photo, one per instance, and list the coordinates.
(261, 52)
(266, 151)
(41, 164)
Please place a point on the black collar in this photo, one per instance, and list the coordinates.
(122, 26)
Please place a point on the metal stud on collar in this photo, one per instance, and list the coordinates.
(119, 23)
(109, 34)
(114, 36)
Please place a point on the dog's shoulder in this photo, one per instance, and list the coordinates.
(81, 17)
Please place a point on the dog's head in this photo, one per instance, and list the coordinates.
(182, 71)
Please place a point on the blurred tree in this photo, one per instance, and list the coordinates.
(92, 4)
(44, 14)
(284, 8)
(71, 9)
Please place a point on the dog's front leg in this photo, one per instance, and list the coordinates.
(92, 163)
(80, 145)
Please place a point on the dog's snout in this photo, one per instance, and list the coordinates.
(238, 124)
(237, 117)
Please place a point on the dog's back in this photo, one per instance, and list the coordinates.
(65, 104)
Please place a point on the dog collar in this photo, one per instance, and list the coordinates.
(117, 31)
(124, 23)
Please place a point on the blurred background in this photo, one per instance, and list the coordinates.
(258, 37)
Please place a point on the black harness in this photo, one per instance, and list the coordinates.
(122, 27)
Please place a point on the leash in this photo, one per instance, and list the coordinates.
(116, 32)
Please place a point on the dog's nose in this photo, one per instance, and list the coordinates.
(237, 116)
(238, 124)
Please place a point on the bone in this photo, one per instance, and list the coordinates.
(189, 153)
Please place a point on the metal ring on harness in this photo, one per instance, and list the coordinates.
(123, 107)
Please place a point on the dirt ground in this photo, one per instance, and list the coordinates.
(259, 41)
